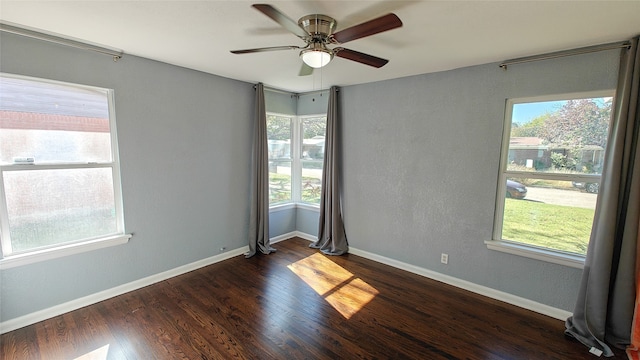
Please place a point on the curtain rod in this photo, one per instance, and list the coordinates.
(116, 54)
(292, 93)
(563, 53)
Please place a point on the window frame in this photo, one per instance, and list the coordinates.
(300, 160)
(517, 248)
(290, 159)
(296, 163)
(10, 258)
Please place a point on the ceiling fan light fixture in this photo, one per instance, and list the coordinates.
(316, 57)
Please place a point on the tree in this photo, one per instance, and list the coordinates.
(533, 128)
(278, 128)
(313, 127)
(578, 123)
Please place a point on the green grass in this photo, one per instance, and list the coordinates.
(556, 227)
(280, 189)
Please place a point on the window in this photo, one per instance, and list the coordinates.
(552, 156)
(59, 172)
(296, 155)
(280, 159)
(312, 131)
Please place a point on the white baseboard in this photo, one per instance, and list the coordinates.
(459, 283)
(283, 237)
(289, 235)
(306, 236)
(54, 311)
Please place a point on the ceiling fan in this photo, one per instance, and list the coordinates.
(316, 31)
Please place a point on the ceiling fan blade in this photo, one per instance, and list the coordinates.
(272, 48)
(305, 70)
(360, 57)
(281, 19)
(371, 27)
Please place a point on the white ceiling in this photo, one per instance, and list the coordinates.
(436, 36)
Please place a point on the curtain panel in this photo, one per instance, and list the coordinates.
(604, 309)
(332, 239)
(259, 193)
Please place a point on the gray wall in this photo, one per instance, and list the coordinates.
(421, 161)
(185, 143)
(313, 103)
(280, 103)
(282, 221)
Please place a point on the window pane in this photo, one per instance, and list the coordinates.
(313, 132)
(565, 136)
(279, 142)
(279, 181)
(311, 181)
(279, 136)
(48, 207)
(551, 214)
(53, 122)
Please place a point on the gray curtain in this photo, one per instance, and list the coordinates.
(259, 213)
(604, 310)
(332, 239)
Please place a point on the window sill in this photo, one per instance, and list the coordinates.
(61, 251)
(288, 206)
(281, 207)
(575, 261)
(308, 206)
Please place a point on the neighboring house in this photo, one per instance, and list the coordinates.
(534, 152)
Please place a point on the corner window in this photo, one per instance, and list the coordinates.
(59, 171)
(296, 155)
(552, 158)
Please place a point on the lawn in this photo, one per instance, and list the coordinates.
(563, 228)
(280, 188)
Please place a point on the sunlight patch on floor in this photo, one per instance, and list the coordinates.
(101, 353)
(340, 288)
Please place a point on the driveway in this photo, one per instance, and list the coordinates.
(562, 197)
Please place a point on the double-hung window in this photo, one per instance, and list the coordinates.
(296, 155)
(312, 133)
(59, 171)
(552, 158)
(279, 131)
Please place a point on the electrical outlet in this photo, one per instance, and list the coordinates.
(444, 258)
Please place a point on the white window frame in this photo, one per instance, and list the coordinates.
(521, 249)
(299, 172)
(291, 159)
(12, 259)
(296, 164)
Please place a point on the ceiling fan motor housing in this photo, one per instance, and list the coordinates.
(319, 27)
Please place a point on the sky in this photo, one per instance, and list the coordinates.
(526, 112)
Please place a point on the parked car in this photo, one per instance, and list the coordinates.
(515, 190)
(593, 188)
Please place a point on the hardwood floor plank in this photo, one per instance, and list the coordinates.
(296, 304)
(20, 344)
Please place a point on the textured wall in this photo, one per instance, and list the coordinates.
(185, 148)
(421, 161)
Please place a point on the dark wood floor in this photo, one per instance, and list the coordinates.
(295, 304)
